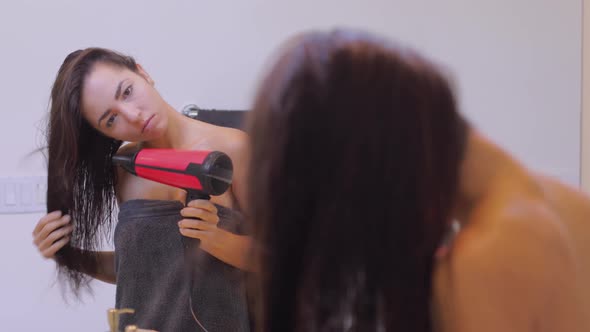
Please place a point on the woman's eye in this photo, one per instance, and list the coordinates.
(110, 120)
(128, 91)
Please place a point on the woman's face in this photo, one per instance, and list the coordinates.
(123, 104)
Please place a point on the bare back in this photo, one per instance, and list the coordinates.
(521, 263)
(573, 209)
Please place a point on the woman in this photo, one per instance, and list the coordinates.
(369, 165)
(100, 99)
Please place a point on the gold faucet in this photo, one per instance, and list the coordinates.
(113, 317)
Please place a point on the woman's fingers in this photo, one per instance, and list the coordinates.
(46, 219)
(50, 252)
(198, 213)
(65, 231)
(50, 227)
(196, 234)
(196, 224)
(203, 204)
(53, 225)
(200, 219)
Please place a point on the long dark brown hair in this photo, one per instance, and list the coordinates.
(356, 150)
(81, 176)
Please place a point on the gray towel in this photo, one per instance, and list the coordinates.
(152, 277)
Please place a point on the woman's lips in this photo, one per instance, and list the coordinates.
(147, 122)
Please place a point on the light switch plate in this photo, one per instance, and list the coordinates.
(23, 194)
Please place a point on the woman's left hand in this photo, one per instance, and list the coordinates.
(226, 246)
(200, 222)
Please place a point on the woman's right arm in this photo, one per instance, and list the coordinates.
(52, 233)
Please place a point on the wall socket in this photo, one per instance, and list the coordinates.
(23, 194)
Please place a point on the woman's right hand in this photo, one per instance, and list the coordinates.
(52, 233)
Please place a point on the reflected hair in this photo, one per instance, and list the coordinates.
(356, 146)
(81, 176)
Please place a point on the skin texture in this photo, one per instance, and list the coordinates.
(519, 262)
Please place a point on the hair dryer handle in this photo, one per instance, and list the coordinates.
(191, 195)
(190, 244)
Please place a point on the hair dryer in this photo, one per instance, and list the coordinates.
(200, 173)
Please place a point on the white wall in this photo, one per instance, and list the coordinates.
(517, 65)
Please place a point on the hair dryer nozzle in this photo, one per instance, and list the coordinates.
(127, 161)
(216, 173)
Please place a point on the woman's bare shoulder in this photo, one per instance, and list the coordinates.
(564, 195)
(229, 140)
(518, 229)
(503, 268)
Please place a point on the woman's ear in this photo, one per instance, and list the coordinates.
(144, 74)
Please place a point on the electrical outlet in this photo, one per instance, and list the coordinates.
(23, 194)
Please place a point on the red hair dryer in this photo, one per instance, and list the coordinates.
(200, 173)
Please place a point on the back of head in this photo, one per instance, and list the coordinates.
(356, 148)
(80, 172)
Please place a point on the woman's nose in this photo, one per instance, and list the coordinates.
(131, 114)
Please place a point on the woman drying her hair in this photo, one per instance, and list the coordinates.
(100, 99)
